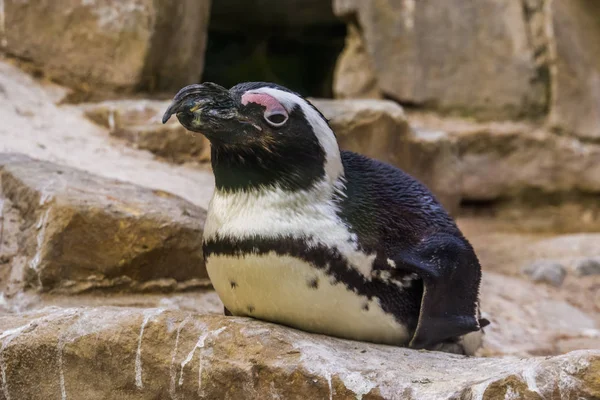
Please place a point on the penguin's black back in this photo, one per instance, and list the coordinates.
(388, 209)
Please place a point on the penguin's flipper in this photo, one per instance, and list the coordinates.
(451, 275)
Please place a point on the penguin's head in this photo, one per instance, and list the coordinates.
(261, 134)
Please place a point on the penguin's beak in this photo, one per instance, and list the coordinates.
(202, 108)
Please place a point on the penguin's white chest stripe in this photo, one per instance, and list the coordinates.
(308, 215)
(290, 291)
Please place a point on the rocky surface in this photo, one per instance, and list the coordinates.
(139, 123)
(354, 75)
(130, 353)
(456, 44)
(576, 76)
(33, 124)
(82, 231)
(502, 249)
(104, 45)
(530, 319)
(529, 172)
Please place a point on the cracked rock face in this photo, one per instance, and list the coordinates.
(458, 44)
(80, 231)
(147, 354)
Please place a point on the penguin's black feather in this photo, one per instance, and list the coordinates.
(396, 217)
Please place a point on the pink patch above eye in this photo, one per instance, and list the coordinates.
(269, 102)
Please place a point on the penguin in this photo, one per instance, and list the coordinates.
(303, 234)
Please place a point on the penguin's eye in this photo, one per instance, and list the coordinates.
(276, 117)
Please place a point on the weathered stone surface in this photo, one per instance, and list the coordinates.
(33, 124)
(478, 57)
(146, 354)
(576, 76)
(379, 129)
(102, 44)
(354, 76)
(529, 319)
(508, 159)
(139, 123)
(547, 271)
(83, 232)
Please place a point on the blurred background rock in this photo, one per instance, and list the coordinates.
(494, 104)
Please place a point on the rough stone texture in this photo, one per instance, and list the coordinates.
(529, 319)
(590, 266)
(379, 129)
(508, 159)
(147, 354)
(83, 232)
(103, 44)
(33, 124)
(475, 57)
(546, 271)
(139, 123)
(354, 77)
(576, 76)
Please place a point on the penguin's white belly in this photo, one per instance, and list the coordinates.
(291, 292)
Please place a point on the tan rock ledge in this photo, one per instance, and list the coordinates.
(125, 353)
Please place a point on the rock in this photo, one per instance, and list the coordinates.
(590, 266)
(106, 45)
(546, 271)
(530, 320)
(379, 129)
(139, 123)
(575, 104)
(502, 160)
(62, 134)
(153, 353)
(491, 53)
(85, 232)
(354, 77)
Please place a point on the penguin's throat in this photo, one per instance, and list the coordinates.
(258, 168)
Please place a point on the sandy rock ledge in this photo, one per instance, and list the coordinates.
(129, 353)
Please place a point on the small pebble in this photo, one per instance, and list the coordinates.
(546, 271)
(590, 266)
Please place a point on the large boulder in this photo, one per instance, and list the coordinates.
(153, 353)
(109, 45)
(576, 79)
(80, 231)
(484, 58)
